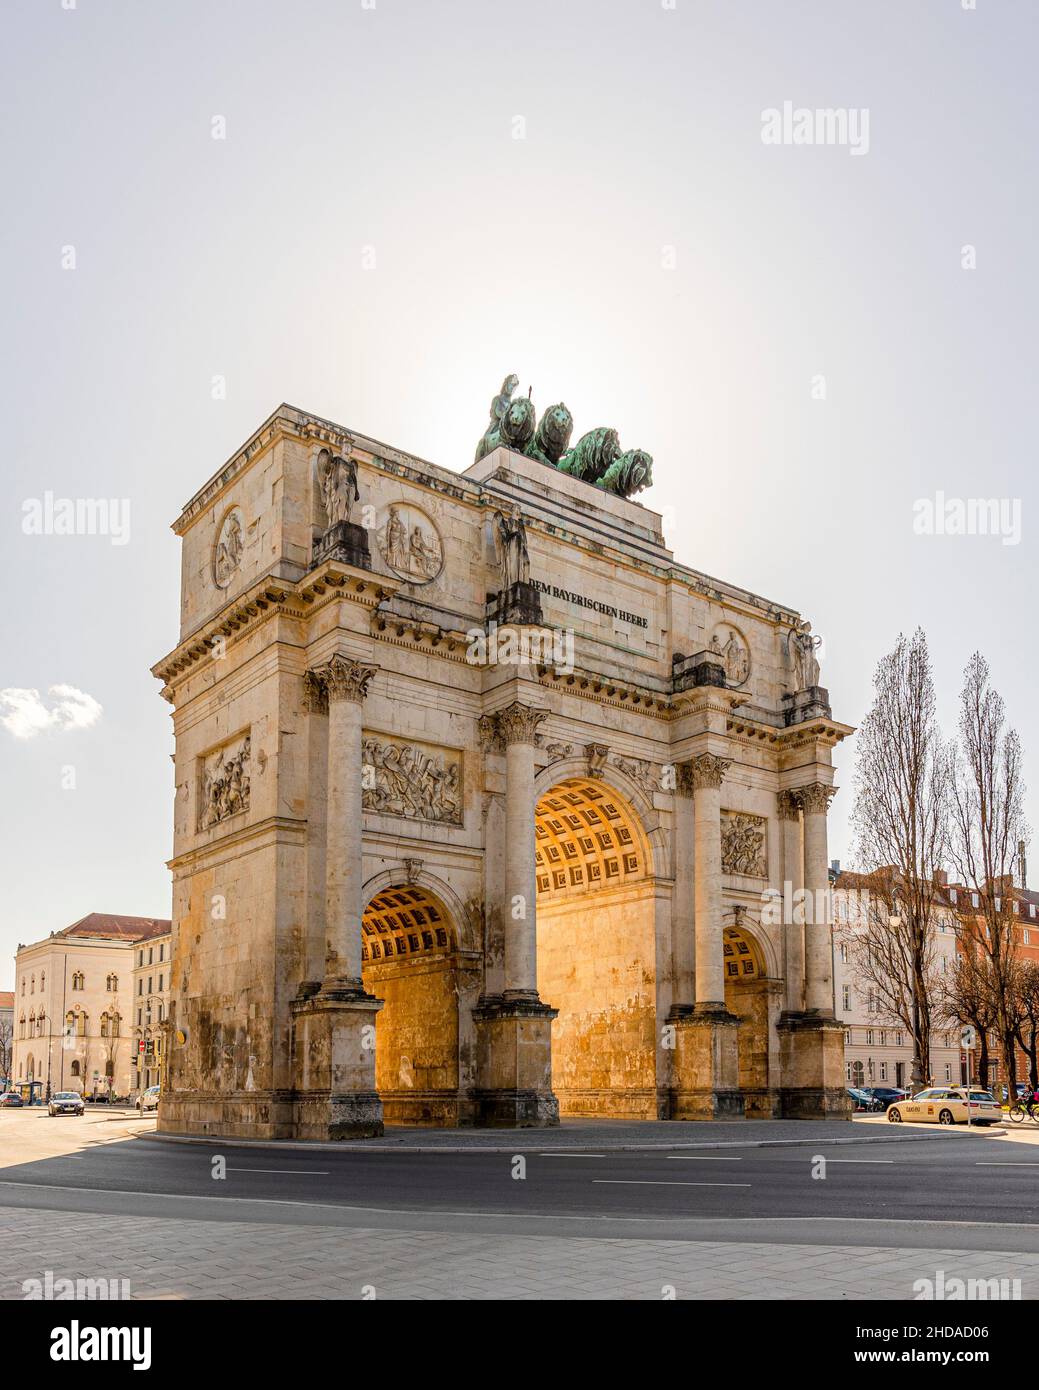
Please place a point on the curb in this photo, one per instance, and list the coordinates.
(367, 1146)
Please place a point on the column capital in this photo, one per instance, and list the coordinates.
(519, 723)
(315, 696)
(707, 770)
(345, 679)
(814, 799)
(787, 805)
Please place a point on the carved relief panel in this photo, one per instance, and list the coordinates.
(744, 844)
(223, 786)
(419, 781)
(410, 543)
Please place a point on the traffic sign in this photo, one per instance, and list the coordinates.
(968, 1036)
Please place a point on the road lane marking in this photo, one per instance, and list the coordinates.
(663, 1182)
(1002, 1163)
(303, 1172)
(860, 1160)
(703, 1158)
(571, 1155)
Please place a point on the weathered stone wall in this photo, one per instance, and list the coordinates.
(596, 956)
(416, 1040)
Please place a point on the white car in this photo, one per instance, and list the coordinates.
(149, 1100)
(947, 1105)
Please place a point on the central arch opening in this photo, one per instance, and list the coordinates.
(409, 959)
(596, 950)
(747, 995)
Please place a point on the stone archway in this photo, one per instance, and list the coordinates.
(409, 959)
(596, 949)
(754, 995)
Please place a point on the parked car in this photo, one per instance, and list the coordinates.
(884, 1095)
(948, 1105)
(862, 1100)
(148, 1100)
(11, 1098)
(65, 1103)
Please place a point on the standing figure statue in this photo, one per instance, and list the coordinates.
(510, 544)
(803, 647)
(339, 488)
(499, 405)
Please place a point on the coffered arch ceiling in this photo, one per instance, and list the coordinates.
(586, 837)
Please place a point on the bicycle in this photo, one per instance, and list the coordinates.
(1019, 1111)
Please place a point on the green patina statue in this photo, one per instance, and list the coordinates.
(596, 458)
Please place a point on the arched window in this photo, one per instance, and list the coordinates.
(77, 980)
(41, 1019)
(30, 1068)
(110, 1069)
(115, 1025)
(21, 1025)
(32, 984)
(43, 979)
(70, 1024)
(81, 1019)
(104, 1025)
(112, 983)
(161, 1014)
(75, 1068)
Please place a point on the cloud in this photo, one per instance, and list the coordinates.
(24, 714)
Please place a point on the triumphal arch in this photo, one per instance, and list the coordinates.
(487, 809)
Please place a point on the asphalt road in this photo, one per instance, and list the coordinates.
(989, 1191)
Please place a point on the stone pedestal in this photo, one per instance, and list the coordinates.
(705, 1079)
(813, 703)
(520, 603)
(812, 1052)
(333, 1066)
(346, 542)
(514, 1064)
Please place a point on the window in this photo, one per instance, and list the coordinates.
(160, 984)
(151, 955)
(140, 957)
(883, 1071)
(948, 1071)
(858, 1074)
(883, 1037)
(75, 1068)
(162, 951)
(112, 983)
(160, 1013)
(77, 979)
(847, 1038)
(43, 979)
(32, 984)
(869, 1037)
(140, 987)
(844, 953)
(150, 984)
(845, 997)
(104, 1025)
(138, 1018)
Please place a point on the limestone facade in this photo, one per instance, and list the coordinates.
(448, 852)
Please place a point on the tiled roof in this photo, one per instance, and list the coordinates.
(6, 999)
(109, 926)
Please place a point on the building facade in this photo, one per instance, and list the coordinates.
(878, 1047)
(150, 1008)
(73, 1006)
(6, 1034)
(487, 809)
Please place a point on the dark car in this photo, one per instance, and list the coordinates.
(861, 1099)
(11, 1098)
(883, 1096)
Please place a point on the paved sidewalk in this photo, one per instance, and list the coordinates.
(201, 1259)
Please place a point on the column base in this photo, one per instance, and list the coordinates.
(705, 1076)
(812, 1052)
(333, 1065)
(514, 1063)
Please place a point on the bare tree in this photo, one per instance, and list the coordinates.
(987, 824)
(1028, 1017)
(900, 819)
(6, 1047)
(967, 998)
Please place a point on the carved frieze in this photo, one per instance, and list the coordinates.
(744, 844)
(640, 770)
(418, 781)
(729, 648)
(224, 783)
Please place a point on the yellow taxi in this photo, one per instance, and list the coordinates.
(947, 1105)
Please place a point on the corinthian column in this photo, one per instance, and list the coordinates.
(707, 773)
(346, 682)
(814, 801)
(517, 728)
(793, 926)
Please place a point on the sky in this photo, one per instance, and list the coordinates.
(375, 209)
